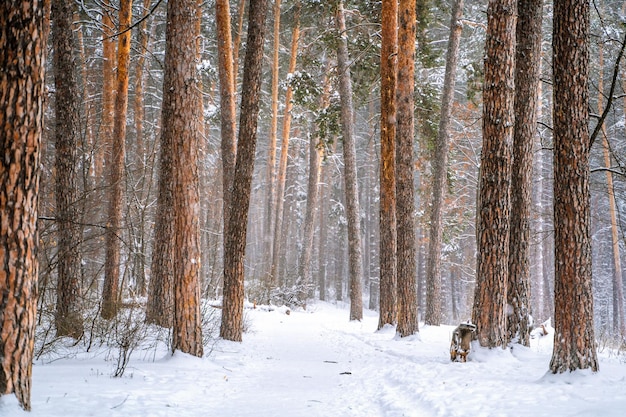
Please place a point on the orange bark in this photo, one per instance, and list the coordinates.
(110, 292)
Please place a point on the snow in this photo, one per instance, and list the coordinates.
(317, 363)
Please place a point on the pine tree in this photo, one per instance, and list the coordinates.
(66, 135)
(231, 327)
(22, 48)
(527, 72)
(574, 342)
(388, 75)
(405, 203)
(493, 208)
(116, 167)
(181, 116)
(353, 212)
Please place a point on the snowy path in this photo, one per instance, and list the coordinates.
(317, 363)
(304, 367)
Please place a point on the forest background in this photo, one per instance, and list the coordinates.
(296, 250)
(315, 62)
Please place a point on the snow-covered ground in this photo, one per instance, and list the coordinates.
(317, 363)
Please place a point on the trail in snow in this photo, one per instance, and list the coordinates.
(317, 363)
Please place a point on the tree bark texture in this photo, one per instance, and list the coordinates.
(181, 120)
(405, 200)
(228, 113)
(489, 313)
(440, 167)
(527, 72)
(22, 57)
(68, 317)
(574, 342)
(110, 291)
(353, 211)
(232, 313)
(160, 304)
(387, 209)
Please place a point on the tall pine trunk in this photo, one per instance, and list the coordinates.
(527, 72)
(231, 327)
(182, 115)
(574, 342)
(353, 212)
(22, 83)
(405, 200)
(110, 291)
(387, 209)
(227, 103)
(493, 209)
(68, 317)
(160, 304)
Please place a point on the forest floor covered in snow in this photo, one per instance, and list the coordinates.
(317, 363)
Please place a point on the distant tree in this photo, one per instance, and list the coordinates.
(405, 201)
(22, 49)
(304, 264)
(493, 209)
(370, 201)
(68, 317)
(281, 175)
(353, 212)
(527, 72)
(273, 135)
(141, 160)
(159, 307)
(316, 152)
(440, 170)
(105, 134)
(138, 104)
(619, 324)
(88, 107)
(116, 166)
(388, 75)
(324, 237)
(241, 13)
(234, 252)
(574, 342)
